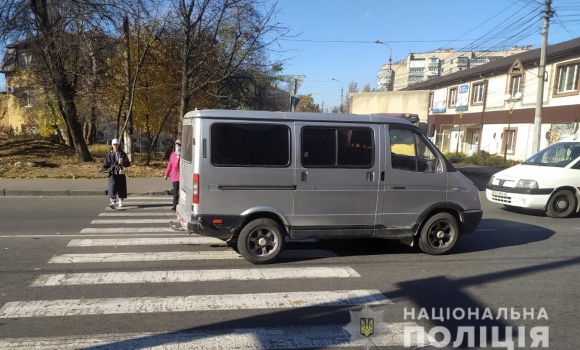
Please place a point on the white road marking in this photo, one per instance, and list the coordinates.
(153, 198)
(305, 337)
(133, 207)
(92, 235)
(137, 214)
(121, 230)
(193, 276)
(252, 301)
(144, 241)
(130, 221)
(159, 203)
(176, 256)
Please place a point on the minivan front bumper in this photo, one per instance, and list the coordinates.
(471, 219)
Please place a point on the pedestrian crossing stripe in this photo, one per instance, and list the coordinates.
(137, 214)
(121, 230)
(177, 256)
(130, 221)
(190, 303)
(181, 276)
(192, 239)
(274, 338)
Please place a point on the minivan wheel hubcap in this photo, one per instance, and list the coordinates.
(441, 234)
(562, 204)
(262, 242)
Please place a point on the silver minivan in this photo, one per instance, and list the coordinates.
(255, 178)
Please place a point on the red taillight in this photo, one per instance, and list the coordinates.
(218, 221)
(195, 188)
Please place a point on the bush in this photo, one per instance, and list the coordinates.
(491, 160)
(455, 157)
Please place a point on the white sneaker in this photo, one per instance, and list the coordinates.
(120, 203)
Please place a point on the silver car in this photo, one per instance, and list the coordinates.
(252, 178)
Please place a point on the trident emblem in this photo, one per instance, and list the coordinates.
(367, 326)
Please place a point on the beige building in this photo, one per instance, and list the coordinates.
(418, 67)
(492, 107)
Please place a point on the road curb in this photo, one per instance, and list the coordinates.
(9, 192)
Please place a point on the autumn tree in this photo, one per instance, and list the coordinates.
(307, 104)
(367, 88)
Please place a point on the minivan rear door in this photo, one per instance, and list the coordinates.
(336, 177)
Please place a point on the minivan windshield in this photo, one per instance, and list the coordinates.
(558, 155)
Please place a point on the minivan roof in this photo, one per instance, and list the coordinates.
(294, 116)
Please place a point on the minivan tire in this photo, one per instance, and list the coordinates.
(261, 241)
(439, 234)
(563, 197)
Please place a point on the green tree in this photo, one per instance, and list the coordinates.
(307, 104)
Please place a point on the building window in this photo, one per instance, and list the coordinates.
(442, 69)
(462, 60)
(250, 145)
(416, 70)
(452, 97)
(478, 91)
(337, 147)
(434, 69)
(515, 85)
(568, 78)
(412, 78)
(431, 77)
(25, 59)
(509, 140)
(433, 60)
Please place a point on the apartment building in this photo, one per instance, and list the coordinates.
(418, 67)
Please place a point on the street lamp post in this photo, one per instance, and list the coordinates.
(322, 109)
(459, 107)
(511, 101)
(341, 92)
(390, 86)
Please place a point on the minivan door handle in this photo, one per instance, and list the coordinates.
(371, 176)
(304, 175)
(398, 187)
(382, 176)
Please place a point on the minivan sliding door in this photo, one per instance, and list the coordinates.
(337, 179)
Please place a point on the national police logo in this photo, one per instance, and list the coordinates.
(367, 326)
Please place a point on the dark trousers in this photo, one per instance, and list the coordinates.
(175, 192)
(117, 186)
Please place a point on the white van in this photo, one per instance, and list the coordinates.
(255, 178)
(549, 181)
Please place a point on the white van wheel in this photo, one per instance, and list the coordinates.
(261, 241)
(439, 234)
(562, 204)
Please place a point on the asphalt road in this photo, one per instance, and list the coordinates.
(60, 290)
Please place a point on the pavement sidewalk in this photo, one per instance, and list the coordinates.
(152, 186)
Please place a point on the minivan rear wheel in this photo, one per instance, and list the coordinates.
(261, 241)
(562, 204)
(439, 234)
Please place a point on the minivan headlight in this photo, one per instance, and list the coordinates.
(527, 184)
(491, 179)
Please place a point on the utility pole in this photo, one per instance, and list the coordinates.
(541, 75)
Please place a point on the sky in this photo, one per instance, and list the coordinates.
(336, 38)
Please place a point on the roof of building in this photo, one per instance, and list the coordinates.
(500, 65)
(294, 116)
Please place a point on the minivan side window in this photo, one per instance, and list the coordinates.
(410, 152)
(250, 145)
(337, 147)
(187, 143)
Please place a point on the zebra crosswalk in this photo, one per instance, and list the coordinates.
(138, 241)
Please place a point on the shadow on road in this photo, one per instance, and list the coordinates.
(435, 293)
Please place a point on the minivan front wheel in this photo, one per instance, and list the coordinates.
(439, 234)
(261, 241)
(562, 204)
